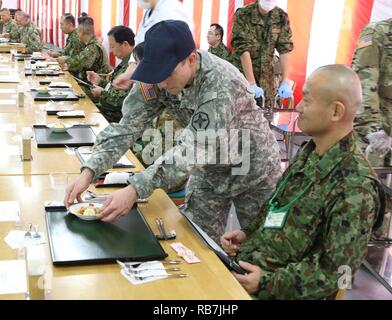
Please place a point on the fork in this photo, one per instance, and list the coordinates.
(28, 233)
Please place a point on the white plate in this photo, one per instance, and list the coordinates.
(74, 208)
(54, 129)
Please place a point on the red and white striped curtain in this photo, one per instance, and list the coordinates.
(324, 32)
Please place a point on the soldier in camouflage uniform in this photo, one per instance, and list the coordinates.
(215, 38)
(258, 30)
(206, 94)
(29, 34)
(8, 23)
(73, 45)
(15, 30)
(121, 42)
(92, 58)
(318, 222)
(373, 63)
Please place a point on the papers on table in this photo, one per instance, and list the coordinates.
(7, 91)
(9, 211)
(144, 272)
(13, 277)
(8, 127)
(7, 102)
(16, 239)
(9, 79)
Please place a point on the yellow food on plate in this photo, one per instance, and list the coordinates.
(89, 210)
(59, 126)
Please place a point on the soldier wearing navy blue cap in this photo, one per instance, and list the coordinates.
(213, 100)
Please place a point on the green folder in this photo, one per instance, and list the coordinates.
(74, 241)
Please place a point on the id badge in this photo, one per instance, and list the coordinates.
(275, 220)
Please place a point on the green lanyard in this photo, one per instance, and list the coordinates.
(273, 204)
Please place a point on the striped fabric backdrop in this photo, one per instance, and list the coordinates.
(324, 31)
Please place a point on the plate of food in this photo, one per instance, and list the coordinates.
(86, 211)
(58, 93)
(59, 127)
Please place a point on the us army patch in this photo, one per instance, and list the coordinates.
(148, 91)
(200, 121)
(365, 43)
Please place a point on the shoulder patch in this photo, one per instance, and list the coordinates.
(200, 121)
(365, 42)
(148, 91)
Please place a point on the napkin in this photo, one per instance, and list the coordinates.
(75, 113)
(116, 178)
(16, 239)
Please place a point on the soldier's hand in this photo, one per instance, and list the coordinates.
(75, 190)
(259, 92)
(231, 241)
(97, 91)
(118, 204)
(250, 281)
(53, 54)
(123, 82)
(380, 142)
(93, 77)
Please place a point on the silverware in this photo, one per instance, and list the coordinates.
(137, 264)
(141, 278)
(36, 234)
(28, 233)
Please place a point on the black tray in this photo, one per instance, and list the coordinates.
(76, 136)
(45, 96)
(42, 73)
(77, 242)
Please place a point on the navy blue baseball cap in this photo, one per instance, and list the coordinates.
(166, 44)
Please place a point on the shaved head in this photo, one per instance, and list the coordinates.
(337, 83)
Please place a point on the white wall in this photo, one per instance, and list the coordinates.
(10, 4)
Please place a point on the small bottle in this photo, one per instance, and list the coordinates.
(27, 135)
(21, 96)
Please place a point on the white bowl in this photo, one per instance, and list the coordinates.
(55, 127)
(75, 207)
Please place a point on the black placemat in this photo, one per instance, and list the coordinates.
(74, 241)
(77, 136)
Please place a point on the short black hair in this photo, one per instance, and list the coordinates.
(138, 51)
(219, 29)
(122, 34)
(69, 18)
(87, 23)
(83, 16)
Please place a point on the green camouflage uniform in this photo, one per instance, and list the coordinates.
(253, 33)
(219, 98)
(92, 58)
(373, 63)
(31, 37)
(328, 227)
(8, 26)
(111, 100)
(73, 46)
(221, 51)
(15, 32)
